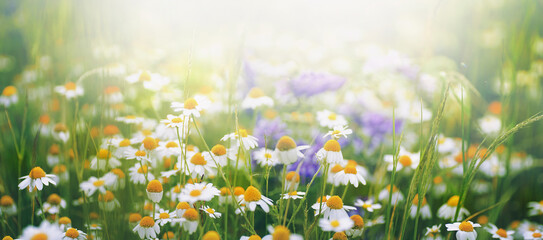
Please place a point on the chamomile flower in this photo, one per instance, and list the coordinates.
(198, 166)
(211, 212)
(281, 232)
(155, 191)
(252, 197)
(74, 234)
(464, 230)
(358, 227)
(367, 205)
(163, 217)
(130, 119)
(424, 211)
(173, 121)
(287, 150)
(339, 236)
(211, 235)
(218, 155)
(7, 206)
(292, 180)
(252, 237)
(60, 132)
(64, 223)
(108, 202)
(53, 204)
(147, 228)
(113, 95)
(36, 179)
(499, 233)
(405, 159)
(9, 96)
(490, 124)
(330, 153)
(194, 192)
(168, 148)
(433, 233)
(243, 138)
(139, 174)
(338, 132)
(46, 230)
(137, 154)
(265, 157)
(181, 208)
(334, 208)
(535, 234)
(191, 106)
(256, 98)
(336, 225)
(374, 222)
(438, 187)
(225, 196)
(192, 218)
(293, 195)
(103, 160)
(330, 119)
(397, 196)
(536, 208)
(69, 90)
(448, 210)
(134, 219)
(115, 179)
(350, 175)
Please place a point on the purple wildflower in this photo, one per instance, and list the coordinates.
(269, 131)
(309, 84)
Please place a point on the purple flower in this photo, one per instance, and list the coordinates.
(269, 131)
(309, 84)
(377, 126)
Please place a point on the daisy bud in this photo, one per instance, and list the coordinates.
(155, 191)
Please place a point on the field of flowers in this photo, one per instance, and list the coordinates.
(159, 120)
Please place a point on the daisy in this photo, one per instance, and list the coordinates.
(292, 180)
(332, 172)
(69, 90)
(218, 155)
(287, 150)
(134, 219)
(330, 153)
(438, 187)
(405, 160)
(139, 174)
(447, 145)
(238, 193)
(339, 236)
(211, 212)
(7, 206)
(432, 233)
(46, 230)
(198, 166)
(154, 191)
(53, 204)
(447, 210)
(424, 211)
(350, 175)
(108, 202)
(115, 179)
(358, 227)
(320, 204)
(464, 230)
(334, 208)
(103, 160)
(180, 121)
(338, 132)
(266, 157)
(9, 96)
(499, 233)
(191, 106)
(536, 208)
(397, 196)
(169, 148)
(113, 95)
(135, 154)
(198, 192)
(376, 221)
(181, 208)
(168, 236)
(225, 196)
(490, 124)
(60, 132)
(147, 228)
(192, 218)
(36, 179)
(535, 234)
(252, 197)
(211, 235)
(330, 119)
(281, 232)
(92, 185)
(65, 223)
(252, 237)
(256, 98)
(336, 225)
(164, 216)
(130, 119)
(293, 195)
(243, 138)
(151, 81)
(74, 234)
(53, 155)
(367, 205)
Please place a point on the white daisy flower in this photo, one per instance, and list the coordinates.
(46, 230)
(147, 228)
(155, 191)
(191, 106)
(74, 234)
(7, 206)
(535, 234)
(139, 174)
(330, 153)
(198, 166)
(367, 205)
(60, 132)
(334, 208)
(115, 179)
(104, 160)
(338, 132)
(499, 233)
(266, 157)
(194, 192)
(448, 210)
(287, 151)
(536, 208)
(69, 90)
(350, 175)
(490, 124)
(330, 119)
(53, 204)
(190, 224)
(169, 148)
(336, 225)
(358, 227)
(243, 138)
(9, 96)
(256, 98)
(107, 201)
(211, 212)
(397, 196)
(252, 197)
(137, 154)
(424, 211)
(405, 160)
(281, 232)
(292, 180)
(217, 154)
(36, 179)
(433, 233)
(181, 122)
(130, 119)
(464, 230)
(293, 195)
(164, 216)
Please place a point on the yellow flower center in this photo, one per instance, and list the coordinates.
(9, 91)
(337, 168)
(465, 227)
(332, 146)
(211, 235)
(111, 130)
(225, 191)
(256, 93)
(59, 169)
(190, 103)
(72, 233)
(350, 170)
(64, 220)
(218, 150)
(294, 193)
(198, 159)
(210, 210)
(334, 202)
(255, 237)
(59, 127)
(168, 235)
(285, 143)
(281, 233)
(536, 235)
(405, 160)
(7, 238)
(118, 172)
(394, 188)
(358, 221)
(140, 153)
(70, 86)
(243, 133)
(453, 201)
(339, 236)
(164, 215)
(177, 120)
(103, 154)
(252, 194)
(134, 217)
(124, 143)
(501, 232)
(238, 191)
(36, 173)
(150, 143)
(365, 205)
(335, 132)
(267, 155)
(39, 236)
(154, 186)
(98, 183)
(195, 193)
(147, 222)
(172, 145)
(293, 176)
(106, 197)
(332, 116)
(45, 119)
(6, 201)
(191, 214)
(54, 199)
(438, 180)
(416, 200)
(183, 205)
(144, 76)
(143, 169)
(334, 223)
